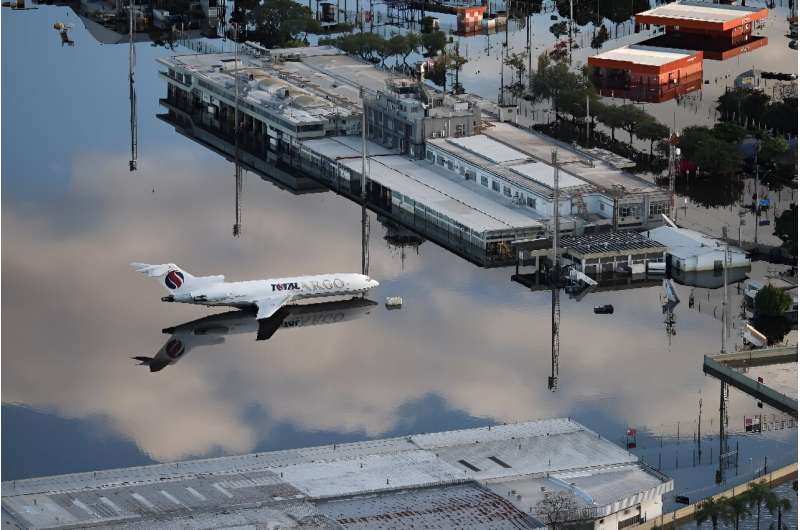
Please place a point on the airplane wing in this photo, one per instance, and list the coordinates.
(268, 326)
(268, 306)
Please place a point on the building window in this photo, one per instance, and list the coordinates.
(629, 210)
(460, 129)
(429, 156)
(484, 181)
(636, 519)
(469, 175)
(506, 191)
(602, 207)
(658, 208)
(495, 186)
(532, 202)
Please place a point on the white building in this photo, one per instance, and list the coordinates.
(488, 477)
(514, 165)
(691, 251)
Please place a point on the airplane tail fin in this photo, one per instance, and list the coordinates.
(173, 278)
(151, 362)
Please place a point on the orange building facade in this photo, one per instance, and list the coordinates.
(647, 73)
(469, 19)
(720, 31)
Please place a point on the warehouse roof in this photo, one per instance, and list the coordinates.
(719, 15)
(637, 54)
(429, 480)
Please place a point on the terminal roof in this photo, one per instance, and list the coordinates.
(422, 182)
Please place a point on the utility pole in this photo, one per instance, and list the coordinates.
(237, 225)
(132, 164)
(757, 206)
(552, 382)
(587, 120)
(530, 44)
(699, 430)
(723, 445)
(724, 291)
(364, 217)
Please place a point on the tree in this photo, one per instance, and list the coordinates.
(384, 50)
(786, 229)
(433, 42)
(729, 132)
(712, 155)
(632, 117)
(612, 117)
(600, 38)
(410, 43)
(775, 502)
(556, 82)
(712, 510)
(781, 116)
(559, 28)
(559, 510)
(756, 495)
(772, 302)
(651, 130)
(518, 63)
(736, 508)
(279, 21)
(396, 45)
(770, 148)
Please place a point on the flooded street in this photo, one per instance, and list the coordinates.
(469, 347)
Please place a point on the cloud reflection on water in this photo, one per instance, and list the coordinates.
(465, 333)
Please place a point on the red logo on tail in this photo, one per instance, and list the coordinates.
(174, 279)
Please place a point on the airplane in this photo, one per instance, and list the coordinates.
(211, 330)
(268, 296)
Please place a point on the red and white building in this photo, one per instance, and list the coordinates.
(720, 31)
(647, 73)
(470, 19)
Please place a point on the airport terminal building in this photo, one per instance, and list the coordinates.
(300, 110)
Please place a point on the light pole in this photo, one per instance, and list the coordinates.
(724, 290)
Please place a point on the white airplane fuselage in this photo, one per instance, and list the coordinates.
(247, 293)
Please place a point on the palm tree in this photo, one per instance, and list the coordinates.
(776, 502)
(735, 509)
(756, 495)
(712, 510)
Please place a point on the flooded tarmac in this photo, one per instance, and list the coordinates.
(469, 346)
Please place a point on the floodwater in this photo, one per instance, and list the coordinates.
(469, 347)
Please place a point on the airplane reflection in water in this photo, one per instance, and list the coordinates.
(211, 330)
